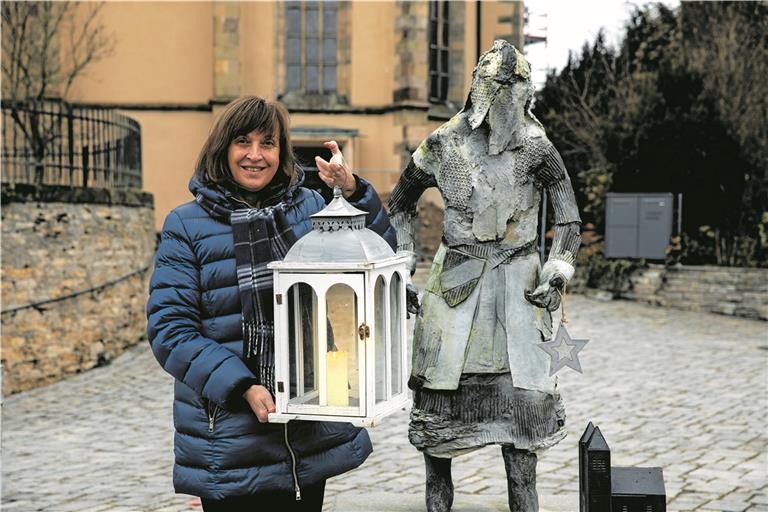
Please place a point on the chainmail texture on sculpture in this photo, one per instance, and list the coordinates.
(455, 180)
(483, 92)
(528, 158)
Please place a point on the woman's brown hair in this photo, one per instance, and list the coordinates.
(241, 117)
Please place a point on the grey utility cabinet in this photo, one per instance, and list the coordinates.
(637, 225)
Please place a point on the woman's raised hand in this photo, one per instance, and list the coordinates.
(260, 401)
(337, 170)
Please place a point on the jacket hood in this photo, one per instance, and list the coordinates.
(223, 195)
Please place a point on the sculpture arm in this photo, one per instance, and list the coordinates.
(558, 269)
(567, 240)
(402, 204)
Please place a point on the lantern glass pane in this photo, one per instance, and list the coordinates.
(342, 371)
(380, 298)
(302, 344)
(396, 337)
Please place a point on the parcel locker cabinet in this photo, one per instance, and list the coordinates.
(637, 225)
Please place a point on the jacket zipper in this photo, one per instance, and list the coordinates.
(211, 415)
(293, 466)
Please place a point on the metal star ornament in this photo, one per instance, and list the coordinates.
(563, 350)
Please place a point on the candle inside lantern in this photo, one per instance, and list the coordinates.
(336, 372)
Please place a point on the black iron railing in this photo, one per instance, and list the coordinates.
(52, 142)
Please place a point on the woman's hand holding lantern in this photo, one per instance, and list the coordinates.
(336, 171)
(260, 401)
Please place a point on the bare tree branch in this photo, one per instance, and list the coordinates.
(46, 46)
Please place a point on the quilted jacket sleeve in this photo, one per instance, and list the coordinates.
(174, 323)
(367, 199)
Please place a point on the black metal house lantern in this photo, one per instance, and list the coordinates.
(594, 471)
(603, 488)
(637, 490)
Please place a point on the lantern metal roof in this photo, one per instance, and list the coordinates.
(339, 235)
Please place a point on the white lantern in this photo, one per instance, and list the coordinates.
(340, 328)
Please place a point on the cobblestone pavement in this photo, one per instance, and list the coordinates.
(682, 390)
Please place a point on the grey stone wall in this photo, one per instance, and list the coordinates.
(726, 290)
(57, 243)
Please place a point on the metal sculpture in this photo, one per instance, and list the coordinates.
(478, 376)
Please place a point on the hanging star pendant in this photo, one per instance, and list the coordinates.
(563, 350)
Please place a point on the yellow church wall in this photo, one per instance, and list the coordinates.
(373, 56)
(492, 28)
(170, 144)
(162, 54)
(257, 48)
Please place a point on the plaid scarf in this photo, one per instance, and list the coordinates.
(261, 236)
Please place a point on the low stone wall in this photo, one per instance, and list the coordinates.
(726, 290)
(74, 277)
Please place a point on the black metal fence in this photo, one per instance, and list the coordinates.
(52, 142)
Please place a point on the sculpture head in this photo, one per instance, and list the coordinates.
(501, 94)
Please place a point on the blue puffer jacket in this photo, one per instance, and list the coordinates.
(195, 329)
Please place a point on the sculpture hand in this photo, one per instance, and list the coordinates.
(547, 294)
(412, 300)
(336, 171)
(411, 263)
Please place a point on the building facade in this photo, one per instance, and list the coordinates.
(377, 77)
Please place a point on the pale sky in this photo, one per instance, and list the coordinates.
(568, 24)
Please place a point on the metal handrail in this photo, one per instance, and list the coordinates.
(52, 142)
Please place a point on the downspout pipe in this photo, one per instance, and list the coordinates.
(478, 29)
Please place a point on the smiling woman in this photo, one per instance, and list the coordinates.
(253, 159)
(210, 316)
(250, 133)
